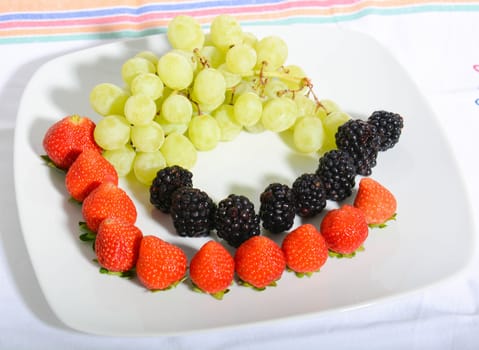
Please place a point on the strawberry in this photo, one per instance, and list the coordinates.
(344, 229)
(259, 262)
(88, 171)
(212, 269)
(107, 201)
(117, 244)
(160, 264)
(376, 201)
(305, 250)
(67, 138)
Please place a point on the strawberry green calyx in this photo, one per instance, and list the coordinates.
(333, 254)
(302, 274)
(218, 295)
(123, 274)
(385, 223)
(48, 161)
(86, 235)
(171, 286)
(258, 289)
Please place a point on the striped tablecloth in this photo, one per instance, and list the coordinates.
(436, 41)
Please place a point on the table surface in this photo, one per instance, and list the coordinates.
(437, 42)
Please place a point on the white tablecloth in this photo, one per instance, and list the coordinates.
(440, 50)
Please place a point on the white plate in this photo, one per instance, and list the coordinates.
(431, 240)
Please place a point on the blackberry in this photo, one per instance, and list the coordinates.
(192, 211)
(337, 173)
(167, 181)
(309, 194)
(277, 209)
(389, 126)
(236, 220)
(361, 140)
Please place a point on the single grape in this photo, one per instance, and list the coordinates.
(225, 31)
(134, 66)
(184, 32)
(204, 132)
(331, 124)
(249, 39)
(175, 70)
(148, 84)
(148, 55)
(275, 88)
(248, 109)
(330, 106)
(241, 59)
(121, 159)
(279, 114)
(107, 99)
(229, 127)
(176, 109)
(306, 106)
(209, 86)
(231, 79)
(190, 57)
(112, 132)
(178, 150)
(140, 109)
(147, 164)
(272, 50)
(147, 138)
(293, 75)
(308, 134)
(213, 56)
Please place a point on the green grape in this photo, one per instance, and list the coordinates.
(225, 31)
(148, 84)
(272, 50)
(241, 59)
(279, 114)
(209, 86)
(229, 127)
(275, 88)
(147, 138)
(185, 33)
(256, 128)
(204, 132)
(306, 106)
(134, 66)
(214, 56)
(320, 113)
(140, 109)
(112, 132)
(308, 134)
(106, 99)
(190, 57)
(175, 70)
(178, 150)
(207, 108)
(147, 164)
(330, 106)
(249, 39)
(293, 75)
(148, 55)
(176, 109)
(331, 124)
(248, 109)
(121, 159)
(169, 128)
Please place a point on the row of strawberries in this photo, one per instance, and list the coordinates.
(120, 246)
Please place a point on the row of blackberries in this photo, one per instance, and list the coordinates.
(235, 220)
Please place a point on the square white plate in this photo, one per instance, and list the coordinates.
(431, 240)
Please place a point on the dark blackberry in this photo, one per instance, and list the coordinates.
(192, 211)
(337, 173)
(389, 126)
(277, 209)
(309, 194)
(361, 140)
(167, 181)
(236, 220)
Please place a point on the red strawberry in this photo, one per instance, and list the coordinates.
(117, 244)
(259, 262)
(67, 138)
(305, 249)
(376, 201)
(344, 229)
(88, 171)
(107, 201)
(160, 264)
(212, 269)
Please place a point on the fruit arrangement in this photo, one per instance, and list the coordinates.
(207, 89)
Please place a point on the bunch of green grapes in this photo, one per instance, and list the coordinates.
(207, 89)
